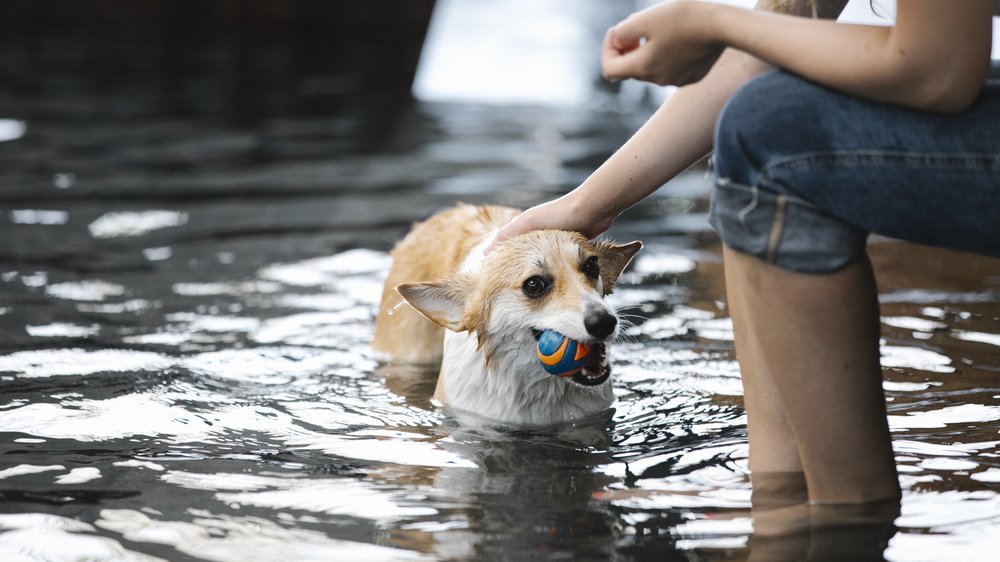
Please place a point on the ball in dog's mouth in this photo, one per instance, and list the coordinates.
(597, 369)
(594, 372)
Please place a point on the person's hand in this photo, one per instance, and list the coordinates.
(558, 214)
(668, 44)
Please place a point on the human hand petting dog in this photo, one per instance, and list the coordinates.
(565, 213)
(668, 44)
(672, 43)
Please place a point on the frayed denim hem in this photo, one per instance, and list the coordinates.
(783, 230)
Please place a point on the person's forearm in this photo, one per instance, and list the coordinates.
(680, 132)
(936, 56)
(675, 137)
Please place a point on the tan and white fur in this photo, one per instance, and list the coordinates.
(478, 315)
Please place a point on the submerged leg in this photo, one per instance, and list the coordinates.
(776, 470)
(805, 309)
(813, 341)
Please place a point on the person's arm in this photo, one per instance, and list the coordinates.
(675, 137)
(935, 58)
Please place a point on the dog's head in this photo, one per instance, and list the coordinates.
(541, 280)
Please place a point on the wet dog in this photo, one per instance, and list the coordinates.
(479, 316)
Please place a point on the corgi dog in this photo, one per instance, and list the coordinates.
(479, 316)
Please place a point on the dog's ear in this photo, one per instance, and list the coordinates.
(614, 259)
(441, 302)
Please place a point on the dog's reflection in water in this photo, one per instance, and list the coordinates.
(523, 493)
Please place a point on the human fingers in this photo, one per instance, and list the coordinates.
(518, 225)
(628, 34)
(620, 53)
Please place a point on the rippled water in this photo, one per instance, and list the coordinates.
(185, 311)
(191, 379)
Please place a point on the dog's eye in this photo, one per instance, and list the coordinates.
(535, 286)
(591, 268)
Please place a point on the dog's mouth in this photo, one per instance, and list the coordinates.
(596, 371)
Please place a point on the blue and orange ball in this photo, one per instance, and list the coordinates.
(560, 355)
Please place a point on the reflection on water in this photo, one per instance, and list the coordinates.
(185, 310)
(230, 412)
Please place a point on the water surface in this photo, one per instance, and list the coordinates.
(185, 311)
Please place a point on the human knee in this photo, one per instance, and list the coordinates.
(740, 130)
(731, 158)
(760, 208)
(770, 117)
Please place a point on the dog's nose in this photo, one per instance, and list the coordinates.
(600, 323)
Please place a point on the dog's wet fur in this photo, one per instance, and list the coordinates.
(479, 316)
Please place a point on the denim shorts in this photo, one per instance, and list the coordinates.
(805, 173)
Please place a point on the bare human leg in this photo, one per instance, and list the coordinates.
(808, 349)
(776, 471)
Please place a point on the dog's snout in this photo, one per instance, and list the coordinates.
(600, 323)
